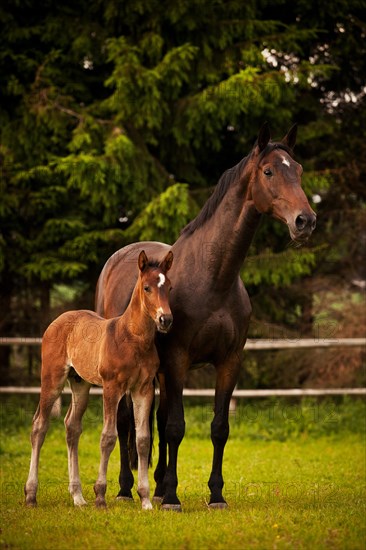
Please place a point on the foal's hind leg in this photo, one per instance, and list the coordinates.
(111, 397)
(50, 391)
(79, 401)
(142, 402)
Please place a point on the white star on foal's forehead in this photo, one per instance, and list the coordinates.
(161, 280)
(285, 161)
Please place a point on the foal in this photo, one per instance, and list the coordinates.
(118, 354)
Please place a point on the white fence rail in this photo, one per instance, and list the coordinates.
(251, 345)
(210, 392)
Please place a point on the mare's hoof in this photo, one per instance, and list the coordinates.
(157, 500)
(171, 507)
(218, 506)
(126, 499)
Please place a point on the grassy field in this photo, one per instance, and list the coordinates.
(294, 478)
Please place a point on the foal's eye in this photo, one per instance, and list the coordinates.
(147, 288)
(268, 172)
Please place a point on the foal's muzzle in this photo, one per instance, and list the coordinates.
(165, 322)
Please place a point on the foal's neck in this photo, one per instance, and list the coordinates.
(136, 319)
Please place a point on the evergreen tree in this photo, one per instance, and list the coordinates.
(118, 118)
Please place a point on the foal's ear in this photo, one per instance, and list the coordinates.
(290, 137)
(263, 137)
(166, 264)
(143, 261)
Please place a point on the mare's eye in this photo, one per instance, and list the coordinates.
(147, 288)
(268, 172)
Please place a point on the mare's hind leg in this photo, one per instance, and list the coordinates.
(111, 397)
(124, 427)
(142, 402)
(79, 401)
(50, 391)
(161, 417)
(227, 376)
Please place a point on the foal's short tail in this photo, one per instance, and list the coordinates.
(132, 450)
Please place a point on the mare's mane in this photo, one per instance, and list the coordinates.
(224, 183)
(211, 205)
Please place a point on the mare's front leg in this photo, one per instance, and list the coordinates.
(111, 397)
(226, 379)
(174, 433)
(125, 432)
(142, 402)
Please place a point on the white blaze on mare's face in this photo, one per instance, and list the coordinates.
(161, 280)
(285, 161)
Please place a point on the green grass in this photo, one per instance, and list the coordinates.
(294, 478)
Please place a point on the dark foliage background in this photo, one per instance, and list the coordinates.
(117, 119)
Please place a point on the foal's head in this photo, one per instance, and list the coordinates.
(154, 286)
(275, 184)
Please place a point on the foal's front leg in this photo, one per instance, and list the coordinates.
(142, 401)
(111, 398)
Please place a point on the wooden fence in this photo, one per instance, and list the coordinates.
(251, 345)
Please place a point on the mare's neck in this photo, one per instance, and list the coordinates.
(222, 242)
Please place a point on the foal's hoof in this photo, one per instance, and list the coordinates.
(79, 502)
(218, 506)
(31, 504)
(101, 504)
(146, 505)
(157, 500)
(125, 499)
(171, 507)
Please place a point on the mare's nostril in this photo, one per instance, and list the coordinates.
(301, 222)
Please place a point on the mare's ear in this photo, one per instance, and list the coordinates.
(263, 137)
(166, 264)
(290, 137)
(143, 261)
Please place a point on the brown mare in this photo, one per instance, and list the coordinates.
(118, 354)
(209, 302)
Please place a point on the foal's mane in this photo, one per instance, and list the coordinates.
(152, 263)
(224, 183)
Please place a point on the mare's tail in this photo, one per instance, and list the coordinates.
(132, 450)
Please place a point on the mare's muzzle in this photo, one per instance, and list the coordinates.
(303, 227)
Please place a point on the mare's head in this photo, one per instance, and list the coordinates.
(155, 288)
(275, 184)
